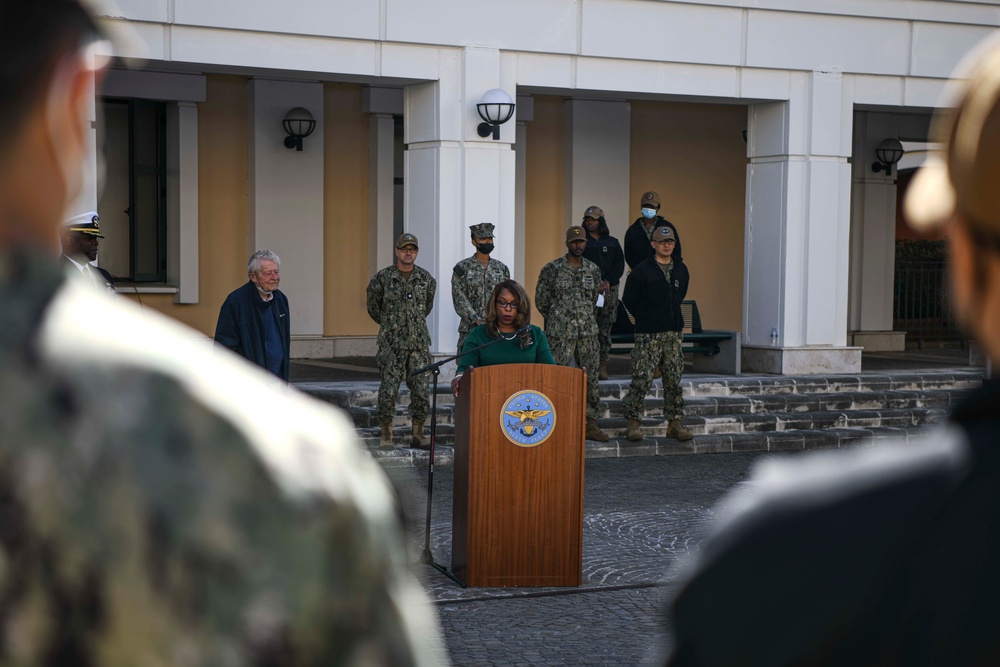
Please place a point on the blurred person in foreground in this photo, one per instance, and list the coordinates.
(508, 316)
(885, 555)
(162, 505)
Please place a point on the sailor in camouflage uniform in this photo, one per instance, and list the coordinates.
(473, 280)
(566, 295)
(163, 504)
(604, 251)
(400, 298)
(653, 294)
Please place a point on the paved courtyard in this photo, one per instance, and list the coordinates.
(641, 517)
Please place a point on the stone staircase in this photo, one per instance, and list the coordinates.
(726, 413)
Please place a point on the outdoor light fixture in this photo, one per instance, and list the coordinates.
(888, 152)
(299, 124)
(496, 108)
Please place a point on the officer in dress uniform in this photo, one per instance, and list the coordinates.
(79, 245)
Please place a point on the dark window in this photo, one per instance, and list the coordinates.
(133, 205)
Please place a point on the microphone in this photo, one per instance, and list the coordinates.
(523, 330)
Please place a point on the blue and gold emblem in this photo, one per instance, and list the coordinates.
(528, 418)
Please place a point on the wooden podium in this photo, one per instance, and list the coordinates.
(518, 506)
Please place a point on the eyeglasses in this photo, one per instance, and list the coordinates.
(665, 242)
(507, 305)
(409, 250)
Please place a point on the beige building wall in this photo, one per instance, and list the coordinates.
(544, 235)
(345, 213)
(694, 156)
(222, 204)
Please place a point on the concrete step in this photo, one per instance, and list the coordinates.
(726, 413)
(729, 424)
(830, 438)
(719, 406)
(365, 394)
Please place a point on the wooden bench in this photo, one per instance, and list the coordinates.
(696, 339)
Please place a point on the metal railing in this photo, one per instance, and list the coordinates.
(921, 303)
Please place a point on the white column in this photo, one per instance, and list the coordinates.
(381, 131)
(520, 204)
(525, 114)
(598, 141)
(86, 199)
(453, 177)
(286, 195)
(383, 104)
(798, 223)
(873, 233)
(182, 203)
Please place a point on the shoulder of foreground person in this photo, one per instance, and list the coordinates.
(803, 559)
(223, 510)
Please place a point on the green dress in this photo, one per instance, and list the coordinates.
(504, 352)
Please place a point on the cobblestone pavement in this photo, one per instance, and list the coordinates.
(641, 517)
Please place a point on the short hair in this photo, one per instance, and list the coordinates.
(523, 317)
(253, 264)
(34, 36)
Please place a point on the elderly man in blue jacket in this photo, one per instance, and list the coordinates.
(254, 321)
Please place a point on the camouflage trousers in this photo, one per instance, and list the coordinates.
(606, 317)
(656, 350)
(586, 353)
(395, 366)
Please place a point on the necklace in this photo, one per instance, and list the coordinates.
(512, 336)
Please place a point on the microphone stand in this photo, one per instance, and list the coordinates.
(426, 556)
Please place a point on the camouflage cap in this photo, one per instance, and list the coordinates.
(575, 233)
(405, 240)
(484, 230)
(650, 199)
(663, 234)
(88, 223)
(595, 212)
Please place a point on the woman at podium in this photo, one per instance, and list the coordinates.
(509, 335)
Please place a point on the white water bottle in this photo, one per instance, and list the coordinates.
(774, 336)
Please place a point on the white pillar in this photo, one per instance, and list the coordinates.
(798, 223)
(381, 136)
(598, 142)
(286, 195)
(383, 104)
(520, 203)
(453, 177)
(86, 199)
(873, 245)
(182, 203)
(873, 232)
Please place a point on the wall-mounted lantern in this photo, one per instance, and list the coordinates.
(495, 108)
(888, 152)
(298, 124)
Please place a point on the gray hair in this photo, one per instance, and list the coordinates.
(253, 264)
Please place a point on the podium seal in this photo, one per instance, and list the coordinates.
(527, 418)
